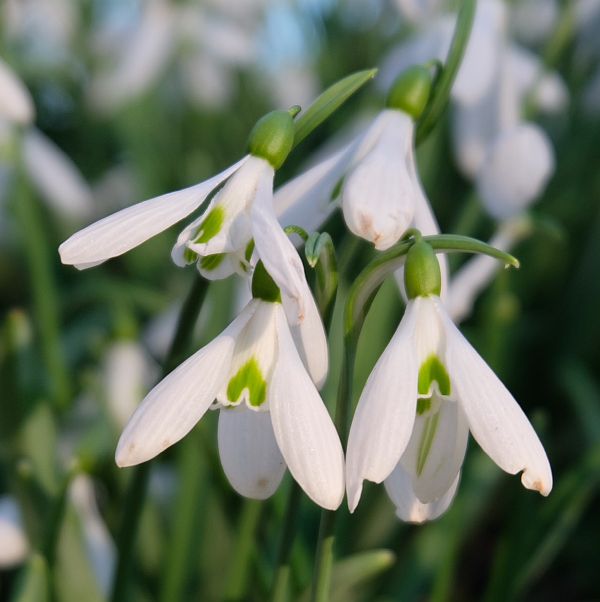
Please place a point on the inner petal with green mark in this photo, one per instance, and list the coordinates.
(432, 370)
(427, 437)
(211, 225)
(248, 378)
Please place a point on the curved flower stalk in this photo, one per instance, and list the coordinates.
(426, 392)
(260, 372)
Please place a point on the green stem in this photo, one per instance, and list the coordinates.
(242, 554)
(326, 538)
(443, 84)
(290, 522)
(138, 485)
(44, 292)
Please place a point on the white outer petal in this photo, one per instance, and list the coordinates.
(408, 506)
(277, 253)
(445, 456)
(516, 170)
(14, 547)
(249, 453)
(56, 177)
(496, 421)
(126, 229)
(15, 101)
(303, 428)
(378, 195)
(178, 402)
(311, 341)
(385, 414)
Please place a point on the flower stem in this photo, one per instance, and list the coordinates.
(242, 554)
(138, 485)
(326, 537)
(44, 292)
(280, 588)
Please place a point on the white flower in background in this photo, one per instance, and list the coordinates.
(206, 46)
(534, 20)
(99, 546)
(15, 101)
(271, 414)
(515, 170)
(426, 392)
(13, 541)
(472, 278)
(127, 374)
(56, 177)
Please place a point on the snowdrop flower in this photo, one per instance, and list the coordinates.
(15, 102)
(477, 272)
(271, 414)
(375, 175)
(219, 240)
(14, 548)
(426, 392)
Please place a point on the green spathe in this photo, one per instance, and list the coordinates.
(432, 370)
(410, 91)
(263, 286)
(248, 377)
(422, 275)
(272, 138)
(211, 225)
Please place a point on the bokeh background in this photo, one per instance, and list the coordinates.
(131, 99)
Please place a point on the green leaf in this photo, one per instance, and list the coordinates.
(320, 254)
(443, 84)
(328, 102)
(356, 571)
(33, 584)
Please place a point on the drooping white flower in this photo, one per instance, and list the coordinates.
(426, 392)
(15, 547)
(271, 414)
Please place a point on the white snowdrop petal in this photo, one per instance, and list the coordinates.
(56, 176)
(384, 418)
(249, 453)
(126, 229)
(516, 170)
(303, 428)
(15, 101)
(408, 506)
(277, 253)
(176, 404)
(233, 201)
(311, 341)
(434, 470)
(378, 195)
(495, 419)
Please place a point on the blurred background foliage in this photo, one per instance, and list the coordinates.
(217, 65)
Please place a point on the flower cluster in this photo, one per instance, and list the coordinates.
(263, 373)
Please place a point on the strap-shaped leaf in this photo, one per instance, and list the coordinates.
(328, 102)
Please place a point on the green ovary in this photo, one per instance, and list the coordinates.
(211, 225)
(248, 377)
(433, 370)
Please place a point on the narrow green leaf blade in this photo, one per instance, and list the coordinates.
(328, 102)
(33, 581)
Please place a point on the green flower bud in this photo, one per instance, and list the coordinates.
(410, 92)
(422, 275)
(263, 286)
(272, 138)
